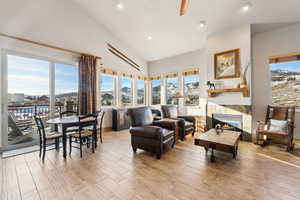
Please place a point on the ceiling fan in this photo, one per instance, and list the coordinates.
(183, 7)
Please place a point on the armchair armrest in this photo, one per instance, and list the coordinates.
(168, 124)
(151, 132)
(188, 118)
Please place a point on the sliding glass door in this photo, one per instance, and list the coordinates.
(27, 95)
(33, 86)
(66, 88)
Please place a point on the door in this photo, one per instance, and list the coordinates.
(26, 93)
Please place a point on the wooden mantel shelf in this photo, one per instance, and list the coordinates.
(213, 93)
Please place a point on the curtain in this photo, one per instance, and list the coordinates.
(87, 84)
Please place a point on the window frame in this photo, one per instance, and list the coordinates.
(131, 88)
(151, 85)
(166, 89)
(136, 91)
(113, 93)
(185, 93)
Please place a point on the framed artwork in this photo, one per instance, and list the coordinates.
(227, 64)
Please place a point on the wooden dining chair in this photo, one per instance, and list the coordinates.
(70, 130)
(45, 136)
(67, 113)
(84, 136)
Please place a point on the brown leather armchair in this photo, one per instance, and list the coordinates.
(153, 136)
(187, 124)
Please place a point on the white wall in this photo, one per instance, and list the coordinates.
(272, 43)
(239, 37)
(61, 23)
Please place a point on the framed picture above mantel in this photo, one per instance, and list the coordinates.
(227, 64)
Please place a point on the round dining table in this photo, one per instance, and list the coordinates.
(65, 123)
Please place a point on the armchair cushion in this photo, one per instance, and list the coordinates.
(169, 111)
(151, 132)
(188, 118)
(168, 124)
(188, 124)
(278, 125)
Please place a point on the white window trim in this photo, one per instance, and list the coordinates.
(114, 92)
(136, 92)
(166, 88)
(184, 93)
(161, 93)
(4, 88)
(120, 91)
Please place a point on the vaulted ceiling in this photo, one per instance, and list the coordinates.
(172, 34)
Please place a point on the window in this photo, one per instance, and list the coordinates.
(156, 91)
(126, 91)
(107, 90)
(28, 81)
(140, 86)
(191, 90)
(171, 90)
(286, 83)
(66, 86)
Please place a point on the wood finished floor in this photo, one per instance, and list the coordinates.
(114, 172)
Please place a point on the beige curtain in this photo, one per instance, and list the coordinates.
(87, 84)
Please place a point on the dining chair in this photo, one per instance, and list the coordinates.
(70, 130)
(100, 116)
(68, 113)
(46, 136)
(84, 136)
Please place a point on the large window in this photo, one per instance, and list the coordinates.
(156, 91)
(140, 86)
(171, 90)
(191, 90)
(66, 86)
(107, 90)
(126, 91)
(30, 93)
(286, 83)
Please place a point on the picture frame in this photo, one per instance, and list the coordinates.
(227, 64)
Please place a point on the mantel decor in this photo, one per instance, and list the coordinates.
(227, 64)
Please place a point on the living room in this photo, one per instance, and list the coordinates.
(149, 100)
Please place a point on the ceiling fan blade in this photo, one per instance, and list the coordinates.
(183, 7)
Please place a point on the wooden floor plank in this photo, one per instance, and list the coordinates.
(114, 172)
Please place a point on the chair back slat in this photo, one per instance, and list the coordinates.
(100, 116)
(89, 122)
(40, 126)
(68, 113)
(280, 113)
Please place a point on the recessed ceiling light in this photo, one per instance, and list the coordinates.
(246, 7)
(149, 37)
(120, 5)
(202, 25)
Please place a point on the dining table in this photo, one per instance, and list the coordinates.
(65, 123)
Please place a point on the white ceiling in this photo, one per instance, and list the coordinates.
(174, 35)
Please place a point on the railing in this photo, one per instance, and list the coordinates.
(25, 112)
(21, 131)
